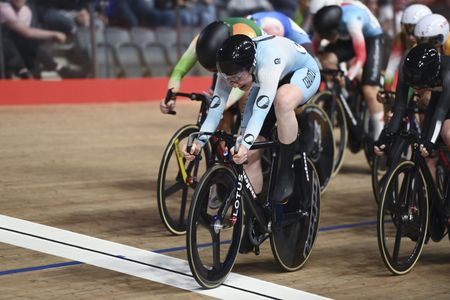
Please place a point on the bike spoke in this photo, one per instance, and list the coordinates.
(174, 188)
(216, 249)
(183, 204)
(398, 238)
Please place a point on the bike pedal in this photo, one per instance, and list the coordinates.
(256, 250)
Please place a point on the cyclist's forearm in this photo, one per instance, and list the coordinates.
(184, 65)
(216, 108)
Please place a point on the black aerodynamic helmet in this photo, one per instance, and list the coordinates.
(209, 41)
(237, 53)
(326, 21)
(422, 66)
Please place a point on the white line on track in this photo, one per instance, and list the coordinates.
(136, 262)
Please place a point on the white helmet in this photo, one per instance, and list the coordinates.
(414, 13)
(432, 28)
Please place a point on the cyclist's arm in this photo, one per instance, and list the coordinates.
(216, 108)
(442, 106)
(183, 66)
(268, 77)
(359, 47)
(400, 103)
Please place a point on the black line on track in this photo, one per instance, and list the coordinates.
(129, 259)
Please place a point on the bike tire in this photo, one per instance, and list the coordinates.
(213, 236)
(317, 139)
(336, 115)
(297, 222)
(402, 218)
(173, 193)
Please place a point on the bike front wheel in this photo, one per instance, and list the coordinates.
(177, 180)
(296, 223)
(402, 220)
(214, 234)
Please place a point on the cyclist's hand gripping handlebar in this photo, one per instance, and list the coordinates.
(169, 96)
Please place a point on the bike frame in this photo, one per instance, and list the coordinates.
(336, 94)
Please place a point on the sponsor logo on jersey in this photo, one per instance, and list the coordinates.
(215, 102)
(262, 102)
(277, 61)
(309, 78)
(249, 138)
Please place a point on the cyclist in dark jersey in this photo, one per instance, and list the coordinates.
(423, 68)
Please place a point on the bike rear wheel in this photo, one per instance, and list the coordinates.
(402, 220)
(296, 223)
(336, 115)
(177, 180)
(317, 139)
(214, 235)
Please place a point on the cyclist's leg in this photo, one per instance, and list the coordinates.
(371, 82)
(294, 91)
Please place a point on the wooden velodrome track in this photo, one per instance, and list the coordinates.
(92, 170)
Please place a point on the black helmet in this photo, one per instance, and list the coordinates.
(236, 54)
(326, 21)
(209, 41)
(422, 65)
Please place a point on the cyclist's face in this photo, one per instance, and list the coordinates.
(430, 40)
(242, 80)
(408, 29)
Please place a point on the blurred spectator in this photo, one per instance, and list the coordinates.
(64, 16)
(16, 19)
(392, 14)
(302, 12)
(131, 13)
(202, 12)
(288, 7)
(13, 63)
(242, 8)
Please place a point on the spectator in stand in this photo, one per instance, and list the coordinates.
(16, 17)
(64, 16)
(132, 13)
(12, 60)
(203, 12)
(288, 7)
(242, 8)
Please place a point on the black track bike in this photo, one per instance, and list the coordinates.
(348, 114)
(413, 208)
(177, 178)
(214, 235)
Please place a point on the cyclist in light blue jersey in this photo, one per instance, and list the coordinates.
(277, 23)
(280, 74)
(354, 34)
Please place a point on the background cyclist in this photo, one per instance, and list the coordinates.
(353, 32)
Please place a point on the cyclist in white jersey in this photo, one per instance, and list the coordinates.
(276, 71)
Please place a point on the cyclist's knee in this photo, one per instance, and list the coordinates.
(287, 99)
(445, 133)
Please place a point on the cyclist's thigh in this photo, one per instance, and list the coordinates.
(307, 80)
